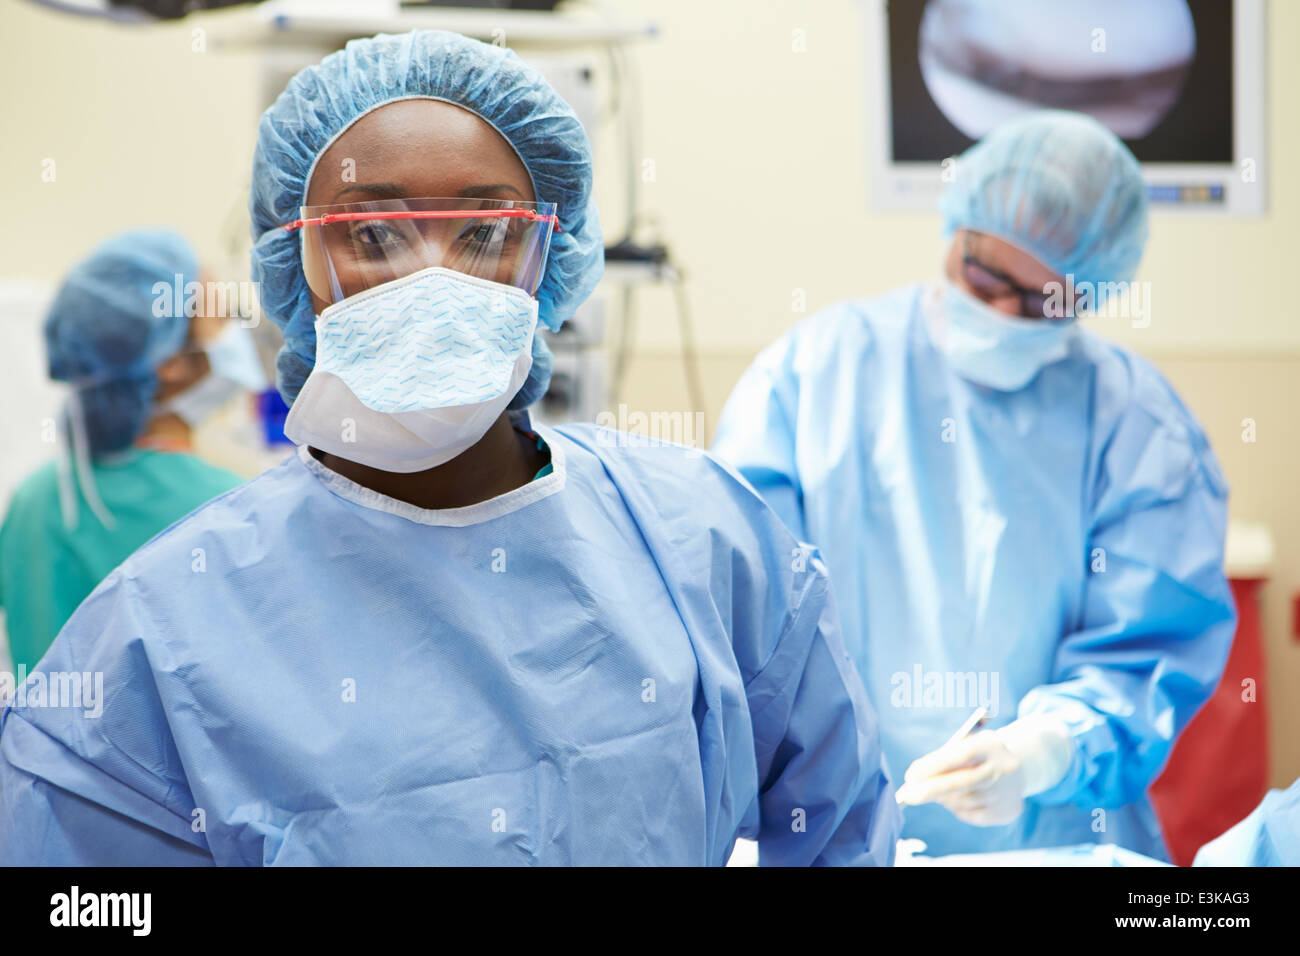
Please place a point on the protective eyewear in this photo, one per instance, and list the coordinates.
(988, 283)
(350, 247)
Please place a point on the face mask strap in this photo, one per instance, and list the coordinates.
(75, 459)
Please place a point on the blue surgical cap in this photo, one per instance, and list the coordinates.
(1061, 187)
(119, 314)
(322, 101)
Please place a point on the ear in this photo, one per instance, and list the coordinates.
(173, 370)
(182, 369)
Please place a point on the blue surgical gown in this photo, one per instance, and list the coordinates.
(1270, 836)
(1055, 550)
(627, 661)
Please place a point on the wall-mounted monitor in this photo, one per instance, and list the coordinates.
(1180, 81)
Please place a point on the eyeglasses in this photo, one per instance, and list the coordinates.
(331, 217)
(988, 284)
(350, 247)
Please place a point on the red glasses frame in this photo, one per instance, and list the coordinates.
(329, 217)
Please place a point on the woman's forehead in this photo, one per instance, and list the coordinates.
(417, 148)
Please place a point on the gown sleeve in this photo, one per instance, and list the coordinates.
(97, 779)
(1157, 613)
(821, 762)
(759, 606)
(825, 797)
(1270, 836)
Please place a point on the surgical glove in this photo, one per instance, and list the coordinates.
(984, 779)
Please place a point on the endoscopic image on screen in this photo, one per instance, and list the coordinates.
(961, 67)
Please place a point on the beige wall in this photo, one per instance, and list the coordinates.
(752, 140)
(143, 130)
(760, 188)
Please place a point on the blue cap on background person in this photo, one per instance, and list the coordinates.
(1061, 187)
(104, 334)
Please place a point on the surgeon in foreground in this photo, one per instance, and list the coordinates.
(1017, 515)
(441, 634)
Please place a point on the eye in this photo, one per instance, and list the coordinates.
(374, 232)
(482, 232)
(982, 278)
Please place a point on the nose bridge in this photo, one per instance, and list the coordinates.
(425, 246)
(431, 251)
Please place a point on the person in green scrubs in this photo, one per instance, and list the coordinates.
(142, 373)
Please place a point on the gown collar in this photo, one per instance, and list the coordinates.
(466, 516)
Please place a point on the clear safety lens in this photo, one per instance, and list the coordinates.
(350, 247)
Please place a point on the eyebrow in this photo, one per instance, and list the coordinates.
(394, 191)
(478, 192)
(387, 190)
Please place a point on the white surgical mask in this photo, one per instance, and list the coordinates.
(234, 367)
(991, 348)
(232, 355)
(197, 403)
(412, 372)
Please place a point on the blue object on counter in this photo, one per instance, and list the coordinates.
(272, 411)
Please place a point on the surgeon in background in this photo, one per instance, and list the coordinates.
(442, 633)
(141, 375)
(1269, 836)
(1015, 513)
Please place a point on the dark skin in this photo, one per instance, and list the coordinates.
(177, 374)
(418, 149)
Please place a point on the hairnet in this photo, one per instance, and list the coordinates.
(321, 101)
(1061, 187)
(539, 376)
(104, 336)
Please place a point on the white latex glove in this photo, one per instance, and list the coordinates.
(984, 778)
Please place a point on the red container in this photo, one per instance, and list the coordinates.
(1218, 771)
